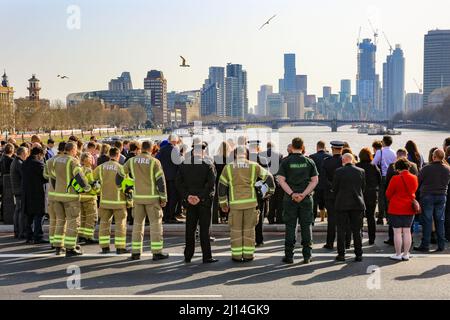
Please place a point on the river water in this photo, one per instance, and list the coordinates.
(425, 140)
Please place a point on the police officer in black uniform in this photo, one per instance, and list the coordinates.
(329, 167)
(255, 156)
(319, 195)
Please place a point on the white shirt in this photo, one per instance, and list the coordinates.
(384, 158)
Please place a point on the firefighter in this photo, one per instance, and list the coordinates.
(237, 195)
(51, 197)
(149, 197)
(88, 202)
(113, 203)
(69, 183)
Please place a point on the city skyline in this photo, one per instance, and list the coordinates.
(99, 50)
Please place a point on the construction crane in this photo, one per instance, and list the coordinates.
(419, 86)
(387, 40)
(375, 33)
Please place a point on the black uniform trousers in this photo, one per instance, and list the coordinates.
(332, 224)
(34, 227)
(349, 219)
(198, 215)
(319, 201)
(172, 201)
(262, 207)
(275, 214)
(370, 199)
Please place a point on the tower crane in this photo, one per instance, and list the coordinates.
(387, 40)
(419, 86)
(375, 33)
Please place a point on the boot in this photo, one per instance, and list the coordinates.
(135, 256)
(122, 251)
(73, 252)
(106, 250)
(60, 251)
(91, 241)
(160, 256)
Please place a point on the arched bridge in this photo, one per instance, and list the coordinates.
(334, 124)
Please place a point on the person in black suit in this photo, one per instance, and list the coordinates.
(255, 155)
(195, 181)
(373, 182)
(275, 214)
(349, 184)
(329, 167)
(33, 193)
(319, 192)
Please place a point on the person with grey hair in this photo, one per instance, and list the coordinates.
(16, 183)
(349, 183)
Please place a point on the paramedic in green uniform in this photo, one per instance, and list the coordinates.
(298, 177)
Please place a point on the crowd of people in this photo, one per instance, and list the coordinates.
(77, 185)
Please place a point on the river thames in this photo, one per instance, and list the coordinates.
(425, 140)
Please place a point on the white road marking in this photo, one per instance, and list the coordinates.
(178, 255)
(130, 296)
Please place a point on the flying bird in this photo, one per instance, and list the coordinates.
(63, 77)
(267, 22)
(183, 63)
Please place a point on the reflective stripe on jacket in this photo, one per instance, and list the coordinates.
(237, 184)
(111, 196)
(149, 180)
(63, 169)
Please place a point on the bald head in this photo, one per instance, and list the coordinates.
(438, 155)
(348, 158)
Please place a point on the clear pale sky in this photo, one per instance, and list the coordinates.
(139, 35)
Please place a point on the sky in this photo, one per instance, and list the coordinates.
(46, 37)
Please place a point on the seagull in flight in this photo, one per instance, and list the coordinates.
(63, 77)
(183, 63)
(267, 22)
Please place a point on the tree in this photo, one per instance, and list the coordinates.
(138, 115)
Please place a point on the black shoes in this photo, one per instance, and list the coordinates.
(358, 259)
(186, 260)
(422, 249)
(380, 222)
(60, 251)
(237, 260)
(106, 250)
(340, 258)
(437, 250)
(328, 247)
(73, 253)
(307, 261)
(347, 247)
(135, 256)
(91, 241)
(247, 259)
(210, 260)
(160, 256)
(288, 260)
(259, 245)
(389, 242)
(40, 241)
(122, 251)
(371, 242)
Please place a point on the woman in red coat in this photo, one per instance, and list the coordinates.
(400, 194)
